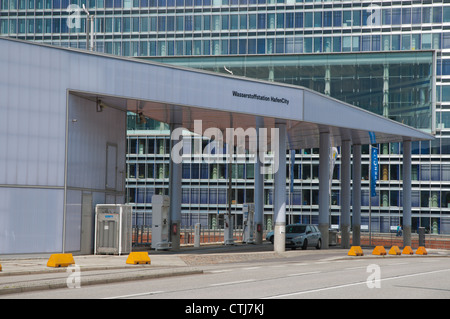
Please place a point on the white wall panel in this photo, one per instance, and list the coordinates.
(33, 110)
(30, 220)
(73, 221)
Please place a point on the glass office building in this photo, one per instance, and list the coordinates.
(212, 34)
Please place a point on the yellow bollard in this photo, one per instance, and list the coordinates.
(355, 251)
(421, 251)
(136, 258)
(379, 250)
(395, 251)
(60, 260)
(407, 251)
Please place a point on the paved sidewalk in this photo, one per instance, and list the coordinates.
(23, 274)
(28, 273)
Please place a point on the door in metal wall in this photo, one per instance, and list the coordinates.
(87, 220)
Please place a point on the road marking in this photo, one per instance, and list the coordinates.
(300, 264)
(218, 271)
(231, 283)
(353, 268)
(353, 284)
(395, 264)
(135, 295)
(304, 273)
(251, 268)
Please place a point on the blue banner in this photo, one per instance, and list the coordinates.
(373, 171)
(372, 136)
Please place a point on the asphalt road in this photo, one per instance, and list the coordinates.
(315, 276)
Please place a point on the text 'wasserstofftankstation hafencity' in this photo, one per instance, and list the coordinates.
(63, 134)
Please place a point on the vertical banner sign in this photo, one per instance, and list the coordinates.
(372, 138)
(373, 171)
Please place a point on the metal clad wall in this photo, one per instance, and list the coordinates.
(30, 220)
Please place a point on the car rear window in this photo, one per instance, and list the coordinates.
(296, 229)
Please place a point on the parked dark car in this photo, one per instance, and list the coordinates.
(300, 235)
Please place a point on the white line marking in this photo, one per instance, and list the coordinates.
(218, 271)
(353, 268)
(395, 264)
(136, 295)
(305, 273)
(353, 284)
(231, 283)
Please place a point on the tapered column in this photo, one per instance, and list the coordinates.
(324, 184)
(279, 205)
(259, 189)
(356, 196)
(407, 193)
(345, 193)
(175, 174)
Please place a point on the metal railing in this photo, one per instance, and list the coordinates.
(142, 235)
(390, 239)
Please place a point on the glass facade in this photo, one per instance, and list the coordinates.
(230, 30)
(397, 85)
(227, 27)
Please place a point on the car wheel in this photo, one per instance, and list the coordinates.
(319, 244)
(305, 244)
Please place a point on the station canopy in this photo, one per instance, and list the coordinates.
(173, 94)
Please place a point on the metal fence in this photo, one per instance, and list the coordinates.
(391, 239)
(142, 235)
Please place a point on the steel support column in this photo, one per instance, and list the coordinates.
(324, 184)
(407, 193)
(345, 193)
(259, 188)
(280, 190)
(356, 196)
(175, 175)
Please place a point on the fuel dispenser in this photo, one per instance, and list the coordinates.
(160, 222)
(248, 211)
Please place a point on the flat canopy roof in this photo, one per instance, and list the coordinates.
(180, 95)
